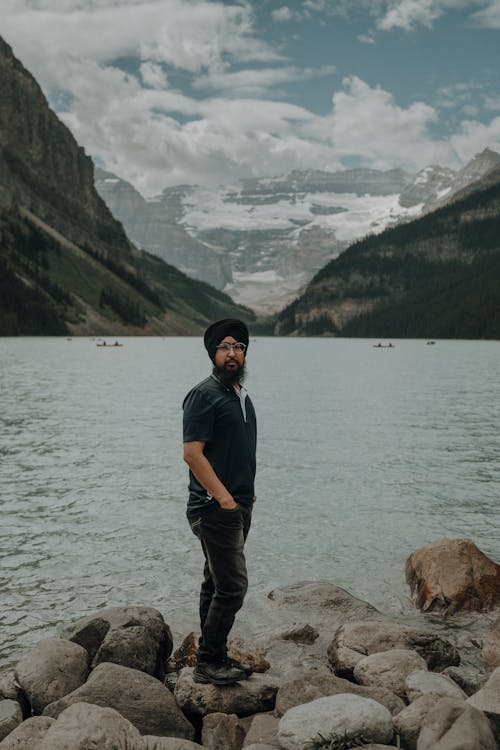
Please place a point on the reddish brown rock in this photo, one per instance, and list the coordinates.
(491, 647)
(453, 574)
(185, 656)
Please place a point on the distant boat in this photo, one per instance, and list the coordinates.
(430, 343)
(109, 346)
(383, 346)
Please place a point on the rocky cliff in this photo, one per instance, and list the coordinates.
(66, 264)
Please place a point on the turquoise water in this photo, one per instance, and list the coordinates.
(364, 455)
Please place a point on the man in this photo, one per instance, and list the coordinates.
(220, 437)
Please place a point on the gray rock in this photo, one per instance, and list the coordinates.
(409, 721)
(468, 678)
(262, 731)
(140, 698)
(321, 599)
(375, 746)
(11, 689)
(421, 682)
(11, 716)
(455, 725)
(305, 686)
(251, 696)
(28, 735)
(388, 669)
(222, 732)
(168, 743)
(335, 717)
(491, 647)
(51, 670)
(299, 634)
(261, 746)
(355, 640)
(488, 700)
(134, 637)
(83, 726)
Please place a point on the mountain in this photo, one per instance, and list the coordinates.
(271, 235)
(435, 277)
(66, 264)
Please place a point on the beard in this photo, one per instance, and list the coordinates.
(231, 376)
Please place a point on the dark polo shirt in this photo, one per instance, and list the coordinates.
(213, 414)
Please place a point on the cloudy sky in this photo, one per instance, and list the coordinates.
(163, 92)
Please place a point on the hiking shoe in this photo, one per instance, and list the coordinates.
(246, 668)
(217, 674)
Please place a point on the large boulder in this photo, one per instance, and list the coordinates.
(11, 689)
(28, 735)
(134, 637)
(355, 640)
(83, 726)
(491, 647)
(469, 679)
(11, 716)
(409, 721)
(337, 717)
(421, 682)
(305, 686)
(488, 700)
(262, 731)
(455, 725)
(453, 574)
(255, 695)
(388, 669)
(52, 669)
(137, 696)
(222, 732)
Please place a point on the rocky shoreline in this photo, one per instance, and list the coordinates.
(333, 673)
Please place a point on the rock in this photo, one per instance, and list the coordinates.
(11, 716)
(469, 679)
(83, 726)
(28, 735)
(335, 717)
(322, 600)
(185, 656)
(455, 725)
(263, 731)
(168, 743)
(388, 669)
(491, 647)
(255, 695)
(140, 698)
(421, 682)
(488, 700)
(261, 746)
(11, 689)
(134, 637)
(409, 721)
(453, 574)
(222, 732)
(305, 686)
(299, 634)
(355, 640)
(375, 746)
(51, 670)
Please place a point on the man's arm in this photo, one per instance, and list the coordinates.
(206, 476)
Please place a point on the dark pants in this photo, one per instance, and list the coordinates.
(222, 534)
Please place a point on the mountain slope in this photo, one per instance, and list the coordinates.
(437, 276)
(66, 265)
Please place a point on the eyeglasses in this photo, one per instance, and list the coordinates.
(238, 347)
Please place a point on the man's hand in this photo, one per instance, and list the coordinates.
(227, 503)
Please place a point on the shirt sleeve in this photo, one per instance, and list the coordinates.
(199, 417)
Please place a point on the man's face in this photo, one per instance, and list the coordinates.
(229, 362)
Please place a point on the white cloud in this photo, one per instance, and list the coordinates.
(367, 124)
(284, 15)
(153, 75)
(256, 82)
(473, 136)
(488, 17)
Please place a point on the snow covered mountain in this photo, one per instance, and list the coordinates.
(263, 239)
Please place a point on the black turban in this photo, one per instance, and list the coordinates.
(222, 328)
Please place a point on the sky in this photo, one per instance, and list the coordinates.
(167, 92)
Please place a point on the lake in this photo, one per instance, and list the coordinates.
(364, 454)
